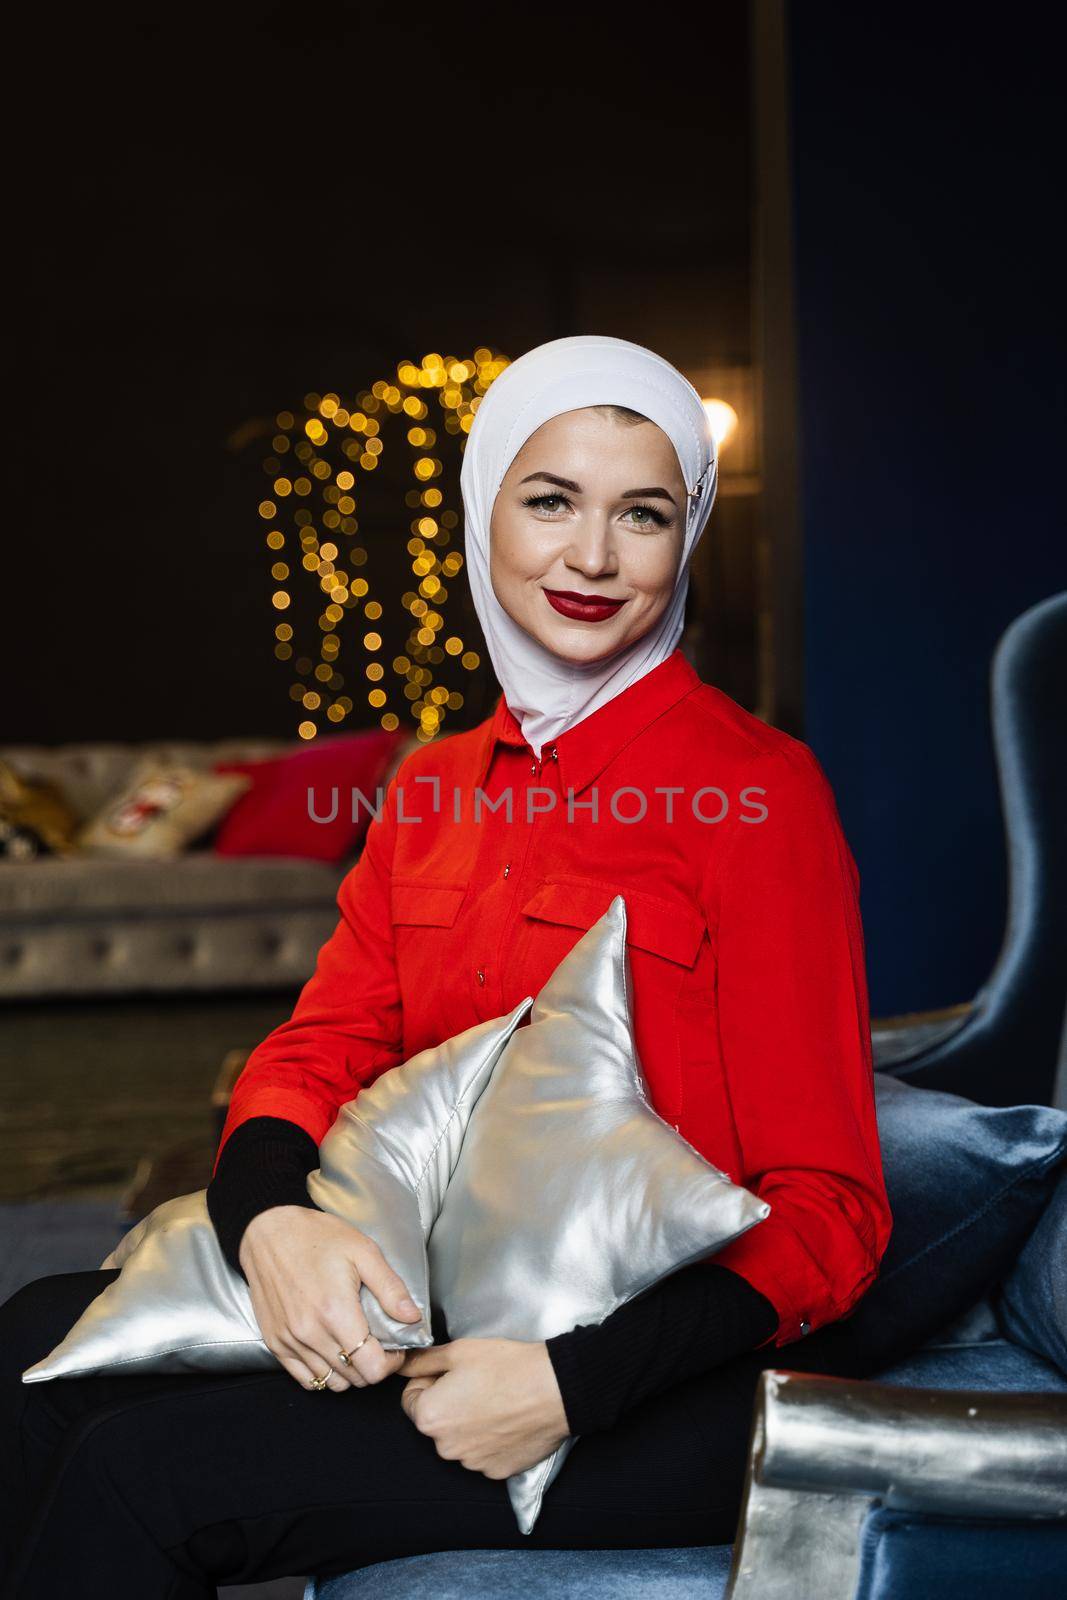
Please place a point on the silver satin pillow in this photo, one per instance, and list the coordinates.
(571, 1194)
(178, 1306)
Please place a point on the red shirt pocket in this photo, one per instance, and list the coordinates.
(663, 937)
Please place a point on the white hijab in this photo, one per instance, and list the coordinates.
(547, 694)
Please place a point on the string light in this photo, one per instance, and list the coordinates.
(314, 547)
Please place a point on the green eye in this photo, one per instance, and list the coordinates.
(652, 514)
(543, 499)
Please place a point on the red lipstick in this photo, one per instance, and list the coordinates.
(582, 607)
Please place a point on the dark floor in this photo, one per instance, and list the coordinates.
(89, 1088)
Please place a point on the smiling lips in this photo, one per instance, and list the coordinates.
(583, 607)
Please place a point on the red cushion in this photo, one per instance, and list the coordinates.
(274, 817)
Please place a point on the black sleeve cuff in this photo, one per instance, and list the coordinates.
(693, 1320)
(265, 1162)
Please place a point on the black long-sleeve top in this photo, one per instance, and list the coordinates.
(695, 1319)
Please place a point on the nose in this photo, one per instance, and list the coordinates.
(591, 551)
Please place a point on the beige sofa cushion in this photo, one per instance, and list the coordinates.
(89, 774)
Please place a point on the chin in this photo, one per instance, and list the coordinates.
(581, 644)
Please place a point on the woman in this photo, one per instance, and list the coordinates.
(606, 767)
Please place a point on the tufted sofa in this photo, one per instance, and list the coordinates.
(83, 926)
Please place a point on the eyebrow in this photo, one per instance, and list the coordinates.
(630, 494)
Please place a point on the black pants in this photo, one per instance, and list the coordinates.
(163, 1487)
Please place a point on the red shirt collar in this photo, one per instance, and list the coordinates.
(584, 751)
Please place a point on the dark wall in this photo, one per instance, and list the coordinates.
(929, 276)
(214, 219)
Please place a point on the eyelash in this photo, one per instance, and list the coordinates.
(657, 516)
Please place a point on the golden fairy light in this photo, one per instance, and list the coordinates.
(313, 539)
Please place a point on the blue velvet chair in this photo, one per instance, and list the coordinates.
(946, 1473)
(999, 1048)
(854, 1487)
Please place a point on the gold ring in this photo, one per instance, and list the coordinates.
(346, 1354)
(320, 1383)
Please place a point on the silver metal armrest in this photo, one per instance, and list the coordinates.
(822, 1449)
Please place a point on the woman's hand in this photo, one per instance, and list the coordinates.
(492, 1404)
(305, 1269)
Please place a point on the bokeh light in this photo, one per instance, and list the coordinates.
(314, 507)
(723, 420)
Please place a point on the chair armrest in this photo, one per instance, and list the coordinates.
(898, 1038)
(915, 1019)
(823, 1449)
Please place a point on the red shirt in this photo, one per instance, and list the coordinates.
(745, 943)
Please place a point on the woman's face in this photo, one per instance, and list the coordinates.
(587, 532)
